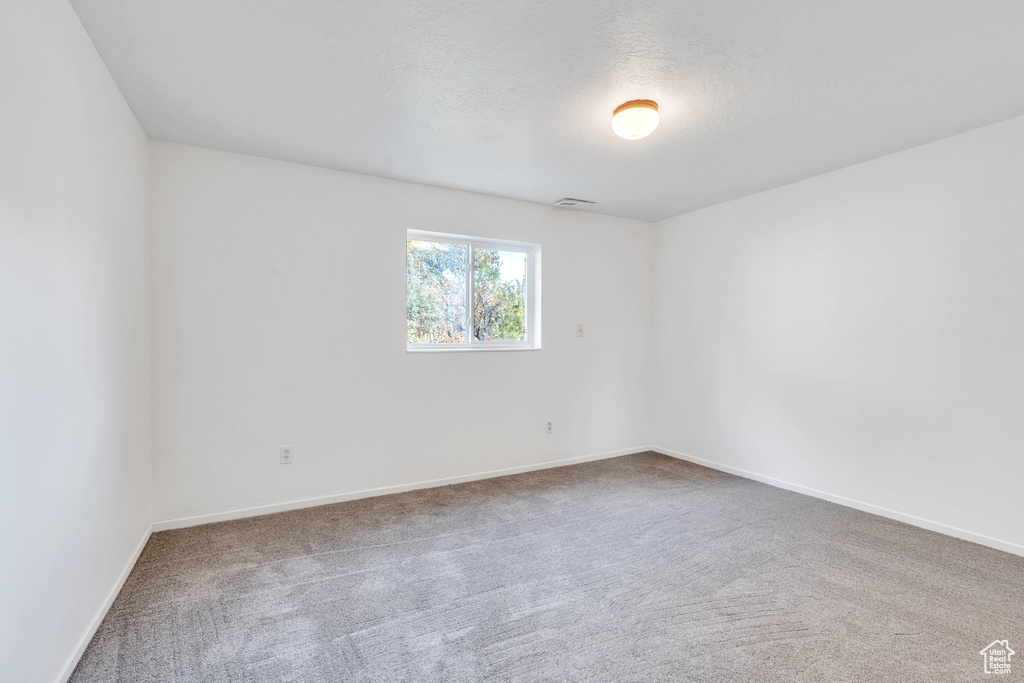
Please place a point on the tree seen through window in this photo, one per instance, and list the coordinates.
(436, 293)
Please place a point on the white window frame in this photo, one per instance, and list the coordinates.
(532, 251)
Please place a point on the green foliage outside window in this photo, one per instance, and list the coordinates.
(499, 305)
(436, 293)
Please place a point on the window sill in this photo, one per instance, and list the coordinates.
(467, 349)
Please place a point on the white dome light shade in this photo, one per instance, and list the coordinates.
(635, 119)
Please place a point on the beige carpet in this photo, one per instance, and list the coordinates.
(639, 568)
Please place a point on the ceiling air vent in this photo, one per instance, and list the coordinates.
(569, 201)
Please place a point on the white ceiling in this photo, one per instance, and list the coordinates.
(515, 98)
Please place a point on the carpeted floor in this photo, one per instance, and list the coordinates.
(639, 568)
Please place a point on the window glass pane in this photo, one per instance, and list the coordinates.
(499, 296)
(435, 292)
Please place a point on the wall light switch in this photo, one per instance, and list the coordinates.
(579, 330)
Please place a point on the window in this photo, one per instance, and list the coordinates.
(465, 293)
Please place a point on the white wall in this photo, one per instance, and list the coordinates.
(279, 294)
(75, 492)
(860, 333)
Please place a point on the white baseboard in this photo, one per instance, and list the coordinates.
(271, 508)
(90, 631)
(914, 520)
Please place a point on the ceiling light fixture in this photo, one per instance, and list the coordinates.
(635, 119)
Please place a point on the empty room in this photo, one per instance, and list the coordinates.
(712, 366)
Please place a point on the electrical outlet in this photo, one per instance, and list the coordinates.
(548, 427)
(579, 330)
(287, 453)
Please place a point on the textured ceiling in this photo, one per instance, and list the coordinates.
(515, 98)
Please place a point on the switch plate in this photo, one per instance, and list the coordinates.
(579, 330)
